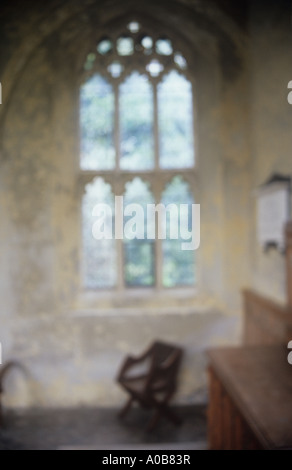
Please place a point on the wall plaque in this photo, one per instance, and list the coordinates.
(273, 211)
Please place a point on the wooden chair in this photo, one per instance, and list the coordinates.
(151, 380)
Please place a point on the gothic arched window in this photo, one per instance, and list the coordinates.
(136, 141)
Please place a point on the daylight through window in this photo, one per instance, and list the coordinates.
(136, 141)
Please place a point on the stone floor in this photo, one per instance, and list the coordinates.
(99, 428)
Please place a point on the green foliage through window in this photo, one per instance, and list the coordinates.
(136, 119)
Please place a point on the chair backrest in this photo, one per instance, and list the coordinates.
(166, 360)
(162, 352)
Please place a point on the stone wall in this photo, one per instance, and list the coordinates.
(71, 345)
(270, 126)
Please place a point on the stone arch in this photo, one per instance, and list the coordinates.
(214, 30)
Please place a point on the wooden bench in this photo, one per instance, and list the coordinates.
(250, 387)
(265, 321)
(250, 402)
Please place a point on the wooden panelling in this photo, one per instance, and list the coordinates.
(289, 262)
(250, 398)
(227, 429)
(251, 387)
(265, 321)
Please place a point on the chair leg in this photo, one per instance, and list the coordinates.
(154, 421)
(126, 408)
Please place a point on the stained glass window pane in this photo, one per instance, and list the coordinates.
(164, 47)
(96, 125)
(147, 44)
(136, 121)
(178, 265)
(154, 68)
(89, 63)
(125, 46)
(175, 122)
(105, 46)
(180, 61)
(115, 69)
(139, 265)
(99, 256)
(134, 26)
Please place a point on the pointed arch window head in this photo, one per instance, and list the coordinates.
(136, 142)
(176, 136)
(97, 107)
(136, 123)
(139, 43)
